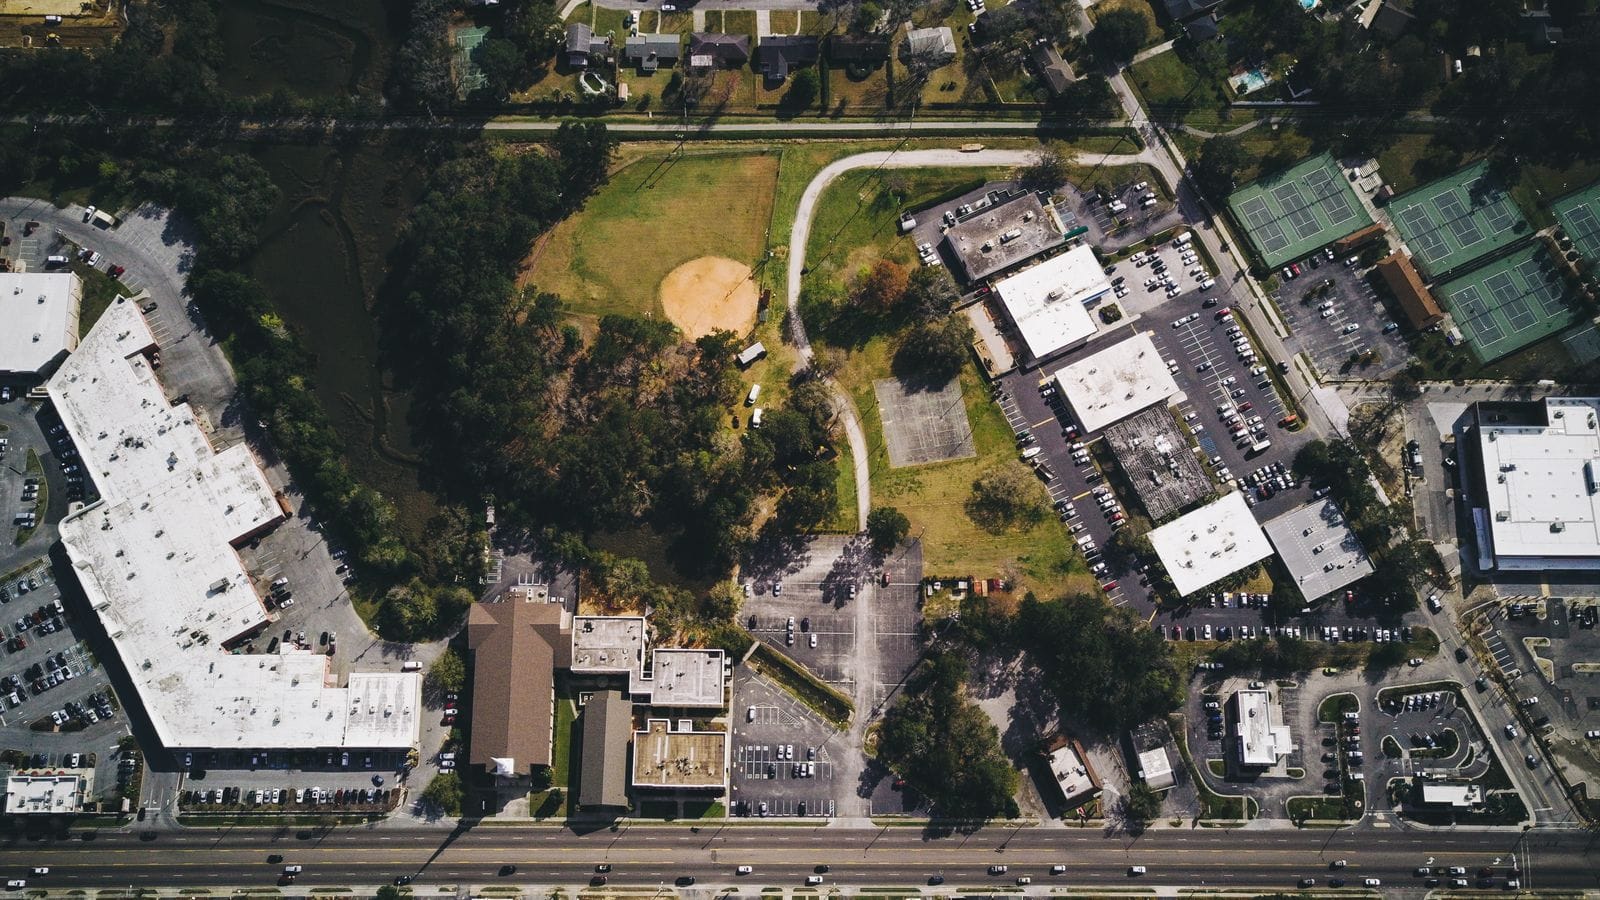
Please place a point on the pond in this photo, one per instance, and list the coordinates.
(323, 252)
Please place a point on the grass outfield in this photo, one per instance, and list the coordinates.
(654, 215)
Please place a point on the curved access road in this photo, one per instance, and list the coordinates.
(800, 236)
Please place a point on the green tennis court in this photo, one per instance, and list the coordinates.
(1298, 210)
(1457, 219)
(1579, 215)
(468, 76)
(1509, 303)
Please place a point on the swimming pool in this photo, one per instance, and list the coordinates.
(1253, 80)
(1309, 5)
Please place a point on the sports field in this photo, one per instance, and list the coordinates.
(1294, 212)
(654, 215)
(1509, 303)
(1457, 219)
(1579, 215)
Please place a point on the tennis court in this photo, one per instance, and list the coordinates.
(1579, 215)
(1509, 303)
(1456, 219)
(468, 76)
(1296, 211)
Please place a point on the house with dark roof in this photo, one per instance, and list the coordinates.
(583, 45)
(932, 46)
(603, 773)
(1203, 29)
(858, 49)
(517, 644)
(709, 50)
(778, 54)
(651, 52)
(1184, 10)
(1541, 30)
(1056, 72)
(1391, 18)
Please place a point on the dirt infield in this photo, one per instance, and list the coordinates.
(710, 293)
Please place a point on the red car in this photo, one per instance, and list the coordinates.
(116, 271)
(1246, 406)
(1108, 586)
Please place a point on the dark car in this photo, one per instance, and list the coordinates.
(599, 880)
(936, 879)
(603, 868)
(508, 869)
(275, 858)
(402, 879)
(682, 881)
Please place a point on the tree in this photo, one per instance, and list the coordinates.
(1099, 662)
(1048, 171)
(934, 352)
(888, 527)
(1006, 497)
(1218, 164)
(445, 793)
(388, 892)
(804, 90)
(931, 292)
(541, 778)
(502, 63)
(1143, 804)
(884, 285)
(1119, 33)
(448, 674)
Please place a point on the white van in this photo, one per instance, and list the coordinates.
(411, 665)
(754, 395)
(1208, 284)
(755, 418)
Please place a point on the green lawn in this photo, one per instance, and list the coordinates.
(1537, 186)
(99, 289)
(737, 21)
(1413, 159)
(1336, 705)
(566, 716)
(1173, 90)
(40, 505)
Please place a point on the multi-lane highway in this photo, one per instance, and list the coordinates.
(785, 855)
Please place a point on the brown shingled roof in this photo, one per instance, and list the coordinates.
(516, 647)
(1406, 284)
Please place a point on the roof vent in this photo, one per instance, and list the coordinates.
(1558, 527)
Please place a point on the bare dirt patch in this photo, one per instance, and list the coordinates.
(709, 294)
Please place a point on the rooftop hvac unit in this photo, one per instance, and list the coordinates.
(1558, 527)
(1502, 516)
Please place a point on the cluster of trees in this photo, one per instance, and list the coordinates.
(1525, 104)
(887, 527)
(1098, 661)
(887, 297)
(1007, 497)
(944, 745)
(521, 43)
(445, 793)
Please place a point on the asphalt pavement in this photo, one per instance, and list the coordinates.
(902, 856)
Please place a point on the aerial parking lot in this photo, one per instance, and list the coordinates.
(1334, 314)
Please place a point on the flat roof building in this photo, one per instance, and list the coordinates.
(1048, 303)
(1069, 766)
(1159, 462)
(155, 557)
(607, 729)
(607, 645)
(1114, 383)
(40, 315)
(1318, 548)
(1458, 796)
(1536, 488)
(996, 237)
(675, 756)
(53, 793)
(1155, 769)
(1260, 736)
(687, 678)
(1210, 543)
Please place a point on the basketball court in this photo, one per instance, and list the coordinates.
(923, 426)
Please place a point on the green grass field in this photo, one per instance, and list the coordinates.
(1172, 89)
(855, 225)
(657, 213)
(99, 289)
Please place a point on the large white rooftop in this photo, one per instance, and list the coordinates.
(1542, 487)
(686, 677)
(1047, 301)
(155, 555)
(1210, 543)
(1318, 548)
(44, 794)
(1116, 382)
(38, 319)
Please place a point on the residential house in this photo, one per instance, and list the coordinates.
(583, 46)
(932, 47)
(777, 55)
(1184, 10)
(1540, 30)
(709, 50)
(1203, 30)
(652, 51)
(1390, 18)
(1056, 72)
